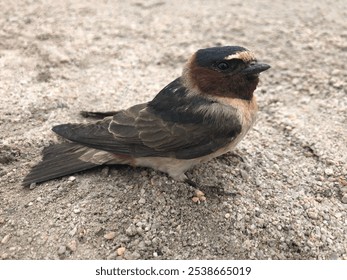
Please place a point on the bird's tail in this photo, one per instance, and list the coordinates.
(59, 160)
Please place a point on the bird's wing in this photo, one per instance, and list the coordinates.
(173, 124)
(101, 135)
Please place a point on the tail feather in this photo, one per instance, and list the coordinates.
(58, 160)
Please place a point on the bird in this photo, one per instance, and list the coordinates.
(201, 115)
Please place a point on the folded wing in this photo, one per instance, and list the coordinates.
(173, 124)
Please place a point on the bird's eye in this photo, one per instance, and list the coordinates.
(223, 66)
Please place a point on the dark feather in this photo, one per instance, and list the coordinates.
(58, 160)
(210, 56)
(97, 115)
(173, 124)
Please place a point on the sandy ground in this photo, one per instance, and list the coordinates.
(59, 57)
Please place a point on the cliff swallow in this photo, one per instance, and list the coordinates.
(197, 117)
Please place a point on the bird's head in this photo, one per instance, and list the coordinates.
(229, 71)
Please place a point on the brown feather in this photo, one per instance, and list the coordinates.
(58, 160)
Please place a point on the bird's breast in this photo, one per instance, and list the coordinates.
(246, 110)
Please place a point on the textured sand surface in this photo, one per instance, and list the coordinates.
(60, 57)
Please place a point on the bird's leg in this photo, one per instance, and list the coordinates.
(97, 115)
(191, 183)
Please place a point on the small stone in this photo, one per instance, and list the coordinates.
(310, 243)
(227, 215)
(2, 220)
(244, 174)
(155, 254)
(135, 256)
(110, 235)
(142, 245)
(329, 171)
(142, 200)
(344, 199)
(73, 231)
(257, 182)
(100, 232)
(276, 167)
(131, 230)
(32, 186)
(43, 239)
(72, 178)
(4, 256)
(338, 215)
(247, 167)
(312, 215)
(147, 228)
(326, 217)
(72, 246)
(6, 239)
(77, 210)
(112, 256)
(61, 250)
(127, 255)
(195, 199)
(333, 256)
(155, 240)
(139, 230)
(120, 251)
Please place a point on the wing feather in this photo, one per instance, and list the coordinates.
(172, 124)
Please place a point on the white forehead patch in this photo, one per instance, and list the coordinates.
(246, 56)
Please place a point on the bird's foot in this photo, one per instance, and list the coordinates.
(199, 196)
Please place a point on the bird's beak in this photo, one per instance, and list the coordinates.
(255, 68)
